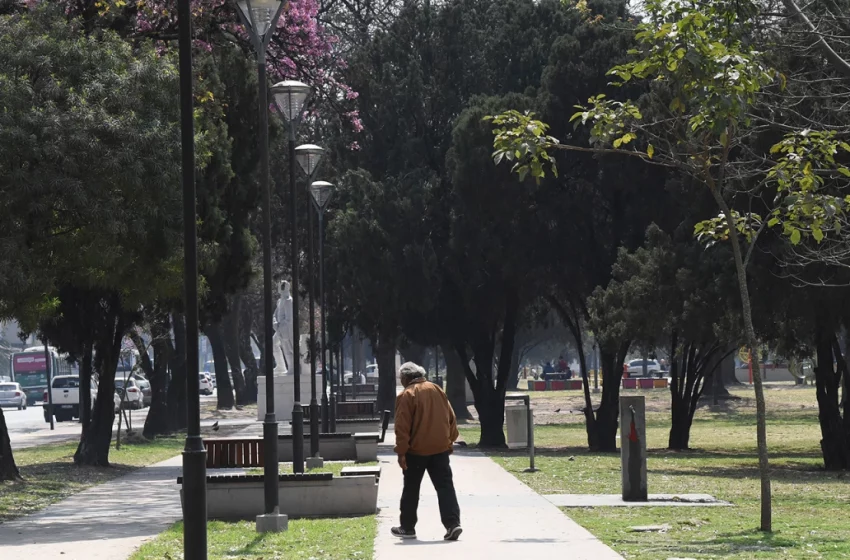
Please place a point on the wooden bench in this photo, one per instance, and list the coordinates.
(355, 409)
(360, 471)
(229, 478)
(234, 452)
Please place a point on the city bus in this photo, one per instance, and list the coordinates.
(29, 368)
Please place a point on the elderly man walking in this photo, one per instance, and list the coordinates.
(425, 429)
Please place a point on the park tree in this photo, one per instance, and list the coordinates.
(708, 78)
(414, 79)
(91, 194)
(381, 259)
(669, 294)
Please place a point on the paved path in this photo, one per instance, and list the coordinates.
(502, 518)
(106, 522)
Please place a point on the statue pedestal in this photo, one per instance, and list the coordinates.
(284, 395)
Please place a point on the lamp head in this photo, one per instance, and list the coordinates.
(290, 96)
(309, 156)
(321, 192)
(260, 14)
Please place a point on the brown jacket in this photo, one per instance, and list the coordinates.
(425, 423)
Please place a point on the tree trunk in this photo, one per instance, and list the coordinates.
(609, 408)
(230, 337)
(85, 384)
(8, 468)
(93, 449)
(385, 355)
(247, 325)
(836, 454)
(157, 420)
(455, 382)
(252, 369)
(750, 332)
(571, 321)
(177, 414)
(490, 406)
(224, 389)
(513, 374)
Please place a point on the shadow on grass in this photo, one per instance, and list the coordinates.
(253, 547)
(754, 539)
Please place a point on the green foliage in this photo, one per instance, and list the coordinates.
(717, 229)
(665, 286)
(806, 178)
(522, 139)
(88, 148)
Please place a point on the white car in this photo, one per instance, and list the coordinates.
(12, 395)
(635, 368)
(65, 392)
(211, 376)
(134, 398)
(205, 386)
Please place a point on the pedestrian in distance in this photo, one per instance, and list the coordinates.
(425, 430)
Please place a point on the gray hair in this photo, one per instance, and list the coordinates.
(411, 371)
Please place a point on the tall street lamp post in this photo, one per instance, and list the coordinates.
(321, 192)
(290, 98)
(260, 19)
(194, 455)
(309, 156)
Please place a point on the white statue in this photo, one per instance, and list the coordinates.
(283, 348)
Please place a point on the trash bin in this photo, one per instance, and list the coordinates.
(516, 418)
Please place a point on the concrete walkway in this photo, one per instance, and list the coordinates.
(502, 518)
(106, 522)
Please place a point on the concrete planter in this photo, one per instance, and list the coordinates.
(659, 383)
(335, 447)
(352, 426)
(333, 497)
(366, 446)
(646, 383)
(557, 385)
(575, 384)
(630, 383)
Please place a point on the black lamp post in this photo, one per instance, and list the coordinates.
(290, 97)
(321, 192)
(260, 19)
(194, 455)
(309, 156)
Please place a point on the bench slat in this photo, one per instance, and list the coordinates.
(234, 452)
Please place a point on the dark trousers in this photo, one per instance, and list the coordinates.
(441, 476)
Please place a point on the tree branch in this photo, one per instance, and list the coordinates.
(834, 58)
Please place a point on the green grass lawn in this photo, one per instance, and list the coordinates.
(50, 474)
(349, 538)
(810, 506)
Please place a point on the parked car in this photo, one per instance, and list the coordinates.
(635, 368)
(145, 387)
(204, 384)
(65, 393)
(133, 398)
(211, 376)
(12, 395)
